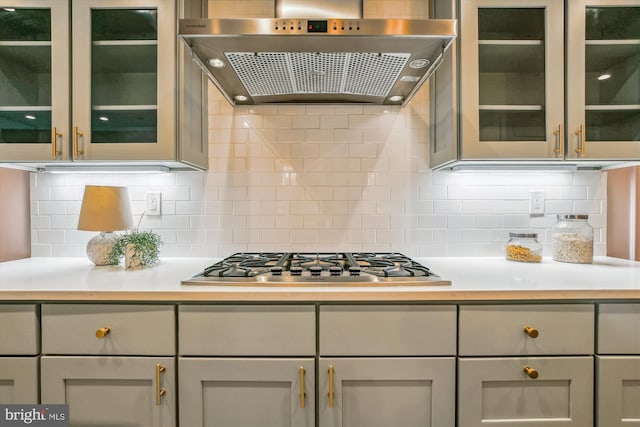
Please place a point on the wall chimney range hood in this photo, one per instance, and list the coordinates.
(317, 59)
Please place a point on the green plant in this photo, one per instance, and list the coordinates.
(146, 247)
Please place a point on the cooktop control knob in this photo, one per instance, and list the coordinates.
(335, 270)
(276, 270)
(315, 270)
(295, 271)
(354, 271)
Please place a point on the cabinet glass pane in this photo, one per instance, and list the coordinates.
(612, 79)
(124, 78)
(25, 24)
(25, 75)
(512, 74)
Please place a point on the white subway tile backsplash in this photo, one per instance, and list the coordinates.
(324, 177)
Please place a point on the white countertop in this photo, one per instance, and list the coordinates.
(69, 279)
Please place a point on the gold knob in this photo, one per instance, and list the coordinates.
(532, 332)
(103, 332)
(531, 372)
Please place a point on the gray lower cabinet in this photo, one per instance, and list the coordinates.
(241, 392)
(247, 365)
(386, 392)
(19, 349)
(387, 365)
(526, 364)
(618, 365)
(18, 380)
(535, 391)
(112, 391)
(113, 364)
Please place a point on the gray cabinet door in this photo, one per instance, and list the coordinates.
(498, 392)
(124, 79)
(386, 392)
(18, 380)
(34, 80)
(618, 391)
(112, 391)
(238, 392)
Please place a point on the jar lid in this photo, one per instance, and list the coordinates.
(527, 235)
(573, 216)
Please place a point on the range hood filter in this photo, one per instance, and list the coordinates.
(281, 73)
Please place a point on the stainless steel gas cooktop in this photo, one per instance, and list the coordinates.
(315, 269)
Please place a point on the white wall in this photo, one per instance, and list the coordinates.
(324, 178)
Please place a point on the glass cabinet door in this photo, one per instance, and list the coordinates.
(604, 79)
(34, 80)
(123, 80)
(512, 79)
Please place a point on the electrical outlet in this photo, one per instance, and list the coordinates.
(154, 199)
(536, 202)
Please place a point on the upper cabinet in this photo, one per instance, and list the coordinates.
(603, 79)
(505, 88)
(106, 86)
(512, 81)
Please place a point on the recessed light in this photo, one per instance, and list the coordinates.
(216, 62)
(240, 98)
(103, 118)
(604, 76)
(9, 9)
(396, 98)
(30, 117)
(419, 63)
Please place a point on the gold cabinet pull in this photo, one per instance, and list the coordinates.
(558, 134)
(54, 142)
(301, 372)
(159, 390)
(531, 372)
(330, 386)
(103, 332)
(581, 140)
(76, 135)
(532, 332)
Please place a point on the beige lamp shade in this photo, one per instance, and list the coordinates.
(105, 209)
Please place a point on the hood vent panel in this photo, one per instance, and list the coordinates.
(290, 60)
(284, 73)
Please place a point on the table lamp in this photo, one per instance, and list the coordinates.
(104, 209)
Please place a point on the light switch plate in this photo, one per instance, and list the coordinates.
(536, 202)
(154, 199)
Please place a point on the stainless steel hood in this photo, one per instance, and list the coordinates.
(318, 60)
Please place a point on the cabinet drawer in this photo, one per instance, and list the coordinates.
(132, 329)
(247, 330)
(618, 326)
(19, 329)
(387, 330)
(618, 391)
(496, 330)
(495, 390)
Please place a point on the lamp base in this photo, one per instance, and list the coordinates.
(99, 246)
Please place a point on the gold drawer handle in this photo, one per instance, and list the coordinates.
(301, 372)
(531, 372)
(159, 390)
(532, 332)
(330, 386)
(103, 332)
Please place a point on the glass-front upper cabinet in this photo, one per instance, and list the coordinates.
(123, 80)
(34, 80)
(603, 74)
(512, 84)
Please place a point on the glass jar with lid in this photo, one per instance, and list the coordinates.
(573, 239)
(523, 247)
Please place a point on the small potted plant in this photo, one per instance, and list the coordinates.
(139, 248)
